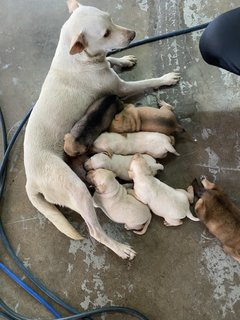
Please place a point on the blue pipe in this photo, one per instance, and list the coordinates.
(34, 294)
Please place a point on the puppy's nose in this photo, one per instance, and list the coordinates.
(132, 35)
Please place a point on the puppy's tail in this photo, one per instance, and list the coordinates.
(54, 215)
(144, 229)
(191, 217)
(171, 149)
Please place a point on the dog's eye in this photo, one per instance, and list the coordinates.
(107, 33)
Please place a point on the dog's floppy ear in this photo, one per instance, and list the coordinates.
(117, 117)
(200, 207)
(72, 5)
(78, 44)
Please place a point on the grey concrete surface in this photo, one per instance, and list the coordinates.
(179, 273)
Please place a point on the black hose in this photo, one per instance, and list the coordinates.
(3, 237)
(5, 316)
(160, 37)
(115, 309)
(5, 144)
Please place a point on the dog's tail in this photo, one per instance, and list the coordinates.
(171, 149)
(144, 229)
(53, 214)
(191, 216)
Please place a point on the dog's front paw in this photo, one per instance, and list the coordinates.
(126, 252)
(171, 78)
(127, 61)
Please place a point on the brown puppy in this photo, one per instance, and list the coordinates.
(96, 120)
(133, 119)
(220, 215)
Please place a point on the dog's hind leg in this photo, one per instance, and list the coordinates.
(172, 222)
(84, 206)
(189, 193)
(50, 211)
(191, 216)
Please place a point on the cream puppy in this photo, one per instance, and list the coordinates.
(119, 164)
(164, 201)
(117, 202)
(154, 144)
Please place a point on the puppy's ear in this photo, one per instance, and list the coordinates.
(100, 188)
(78, 44)
(200, 207)
(130, 174)
(72, 5)
(117, 117)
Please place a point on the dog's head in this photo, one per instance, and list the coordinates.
(138, 166)
(124, 121)
(103, 179)
(99, 160)
(72, 147)
(93, 31)
(212, 198)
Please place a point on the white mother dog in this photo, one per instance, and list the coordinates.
(79, 75)
(164, 201)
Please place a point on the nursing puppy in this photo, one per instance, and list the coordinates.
(79, 75)
(164, 201)
(118, 203)
(143, 118)
(96, 120)
(77, 165)
(119, 164)
(154, 144)
(222, 218)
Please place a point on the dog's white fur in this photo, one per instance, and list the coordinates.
(119, 164)
(117, 202)
(164, 201)
(154, 144)
(78, 76)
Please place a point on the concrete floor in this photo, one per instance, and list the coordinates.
(179, 273)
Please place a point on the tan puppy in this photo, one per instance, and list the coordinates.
(119, 164)
(79, 75)
(155, 144)
(164, 201)
(133, 119)
(222, 218)
(117, 202)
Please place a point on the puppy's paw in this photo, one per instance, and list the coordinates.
(162, 103)
(88, 165)
(127, 61)
(126, 252)
(170, 78)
